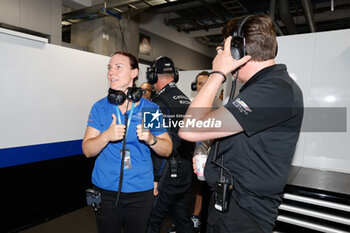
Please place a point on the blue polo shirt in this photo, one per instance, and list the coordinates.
(106, 172)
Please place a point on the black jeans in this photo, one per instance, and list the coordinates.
(233, 221)
(132, 213)
(174, 198)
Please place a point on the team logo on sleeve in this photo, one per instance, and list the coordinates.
(241, 106)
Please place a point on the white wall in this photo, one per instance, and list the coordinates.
(46, 91)
(320, 62)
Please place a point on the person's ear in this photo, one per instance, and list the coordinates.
(134, 73)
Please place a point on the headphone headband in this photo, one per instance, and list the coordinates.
(238, 47)
(239, 29)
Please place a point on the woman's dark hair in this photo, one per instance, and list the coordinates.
(133, 62)
(260, 35)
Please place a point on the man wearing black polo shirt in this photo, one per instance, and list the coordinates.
(173, 177)
(258, 129)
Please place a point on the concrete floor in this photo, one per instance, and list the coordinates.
(82, 220)
(79, 221)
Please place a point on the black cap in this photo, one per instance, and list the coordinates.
(164, 65)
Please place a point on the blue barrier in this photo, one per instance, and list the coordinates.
(35, 153)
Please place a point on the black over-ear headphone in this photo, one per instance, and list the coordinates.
(161, 65)
(238, 45)
(238, 48)
(118, 97)
(194, 85)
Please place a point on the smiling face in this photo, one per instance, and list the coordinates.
(120, 73)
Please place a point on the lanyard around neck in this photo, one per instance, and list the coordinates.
(129, 116)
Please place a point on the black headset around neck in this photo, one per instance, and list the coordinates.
(118, 97)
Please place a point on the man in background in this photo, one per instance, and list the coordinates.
(199, 82)
(147, 90)
(175, 173)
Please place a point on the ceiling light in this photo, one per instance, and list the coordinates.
(66, 23)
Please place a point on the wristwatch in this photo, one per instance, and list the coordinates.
(155, 140)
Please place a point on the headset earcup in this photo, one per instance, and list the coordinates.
(116, 97)
(154, 78)
(237, 51)
(176, 75)
(150, 76)
(134, 94)
(194, 86)
(238, 46)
